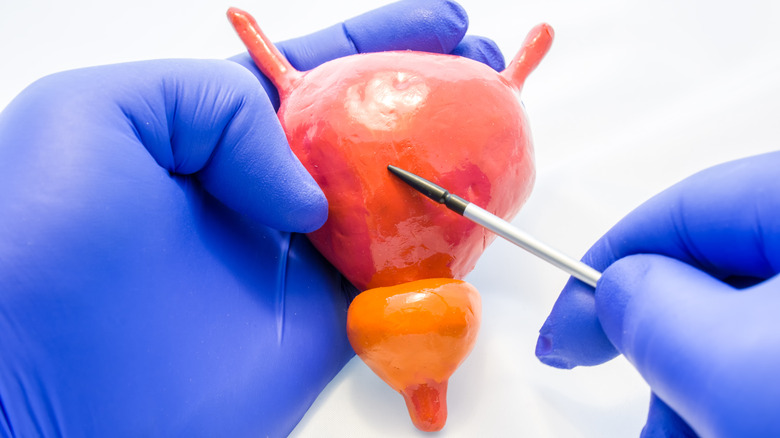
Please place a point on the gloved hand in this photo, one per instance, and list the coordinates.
(690, 296)
(149, 282)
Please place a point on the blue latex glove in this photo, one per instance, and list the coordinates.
(145, 286)
(690, 296)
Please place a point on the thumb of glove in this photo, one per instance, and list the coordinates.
(707, 349)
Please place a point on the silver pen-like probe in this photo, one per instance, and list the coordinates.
(499, 226)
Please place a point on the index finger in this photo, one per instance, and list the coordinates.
(724, 221)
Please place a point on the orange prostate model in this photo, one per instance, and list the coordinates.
(453, 120)
(414, 336)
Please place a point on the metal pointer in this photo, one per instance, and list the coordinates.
(499, 226)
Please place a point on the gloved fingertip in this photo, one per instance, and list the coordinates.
(435, 26)
(309, 210)
(481, 49)
(543, 345)
(572, 336)
(546, 354)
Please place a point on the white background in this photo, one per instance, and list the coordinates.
(633, 97)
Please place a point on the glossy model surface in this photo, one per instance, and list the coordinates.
(450, 119)
(414, 336)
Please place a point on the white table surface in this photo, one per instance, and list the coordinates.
(631, 99)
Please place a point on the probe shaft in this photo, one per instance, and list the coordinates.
(499, 226)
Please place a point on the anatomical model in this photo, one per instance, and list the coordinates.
(453, 120)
